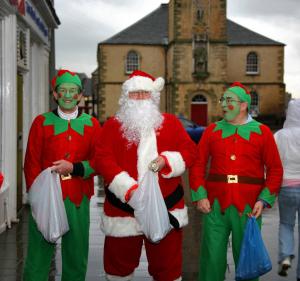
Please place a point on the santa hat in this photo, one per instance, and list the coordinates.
(142, 81)
(65, 76)
(241, 91)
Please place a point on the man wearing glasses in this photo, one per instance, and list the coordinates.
(237, 173)
(64, 140)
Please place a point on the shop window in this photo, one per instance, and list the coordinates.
(22, 48)
(132, 62)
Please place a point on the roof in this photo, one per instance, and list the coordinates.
(50, 5)
(150, 30)
(153, 30)
(239, 35)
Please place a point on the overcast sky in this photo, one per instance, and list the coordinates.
(85, 23)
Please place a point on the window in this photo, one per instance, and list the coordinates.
(200, 14)
(199, 98)
(252, 63)
(22, 48)
(132, 62)
(254, 108)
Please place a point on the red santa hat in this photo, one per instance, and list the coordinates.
(142, 81)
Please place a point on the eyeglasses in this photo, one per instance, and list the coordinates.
(228, 100)
(71, 91)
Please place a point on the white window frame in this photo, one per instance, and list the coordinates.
(252, 67)
(132, 62)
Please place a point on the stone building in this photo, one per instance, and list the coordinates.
(199, 52)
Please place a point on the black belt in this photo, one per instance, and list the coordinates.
(171, 200)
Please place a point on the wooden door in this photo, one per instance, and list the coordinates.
(199, 113)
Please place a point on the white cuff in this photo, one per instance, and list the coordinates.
(176, 163)
(121, 183)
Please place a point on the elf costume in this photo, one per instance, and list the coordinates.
(53, 138)
(123, 164)
(244, 167)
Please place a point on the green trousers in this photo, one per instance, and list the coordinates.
(74, 247)
(217, 227)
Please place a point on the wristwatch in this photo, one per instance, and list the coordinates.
(153, 166)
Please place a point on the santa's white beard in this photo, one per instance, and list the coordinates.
(138, 117)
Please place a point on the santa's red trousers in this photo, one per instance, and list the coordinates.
(122, 255)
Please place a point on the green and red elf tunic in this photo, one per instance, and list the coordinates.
(52, 138)
(248, 151)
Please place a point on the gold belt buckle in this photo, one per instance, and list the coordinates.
(67, 177)
(232, 178)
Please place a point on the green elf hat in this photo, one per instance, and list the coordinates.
(241, 91)
(65, 76)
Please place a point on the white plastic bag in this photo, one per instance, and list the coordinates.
(150, 209)
(47, 206)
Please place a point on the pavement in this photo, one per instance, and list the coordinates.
(13, 243)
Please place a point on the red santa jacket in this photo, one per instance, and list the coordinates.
(247, 151)
(52, 138)
(123, 164)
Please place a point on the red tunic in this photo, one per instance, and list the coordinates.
(235, 155)
(51, 142)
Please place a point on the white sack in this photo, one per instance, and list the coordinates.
(47, 206)
(150, 209)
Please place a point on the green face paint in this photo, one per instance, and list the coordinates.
(68, 95)
(231, 106)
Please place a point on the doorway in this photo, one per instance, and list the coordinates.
(199, 110)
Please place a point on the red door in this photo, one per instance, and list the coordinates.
(199, 113)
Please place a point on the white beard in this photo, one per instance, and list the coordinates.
(138, 117)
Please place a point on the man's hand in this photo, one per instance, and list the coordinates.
(203, 206)
(257, 209)
(160, 163)
(62, 167)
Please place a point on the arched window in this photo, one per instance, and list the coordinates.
(252, 63)
(199, 99)
(132, 61)
(254, 108)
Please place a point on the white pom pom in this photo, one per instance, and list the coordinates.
(158, 84)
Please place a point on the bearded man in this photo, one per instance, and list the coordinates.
(64, 140)
(137, 136)
(244, 176)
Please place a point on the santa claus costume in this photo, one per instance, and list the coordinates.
(138, 134)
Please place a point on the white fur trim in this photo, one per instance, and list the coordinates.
(128, 226)
(158, 84)
(138, 83)
(119, 226)
(176, 162)
(119, 278)
(121, 184)
(147, 151)
(181, 215)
